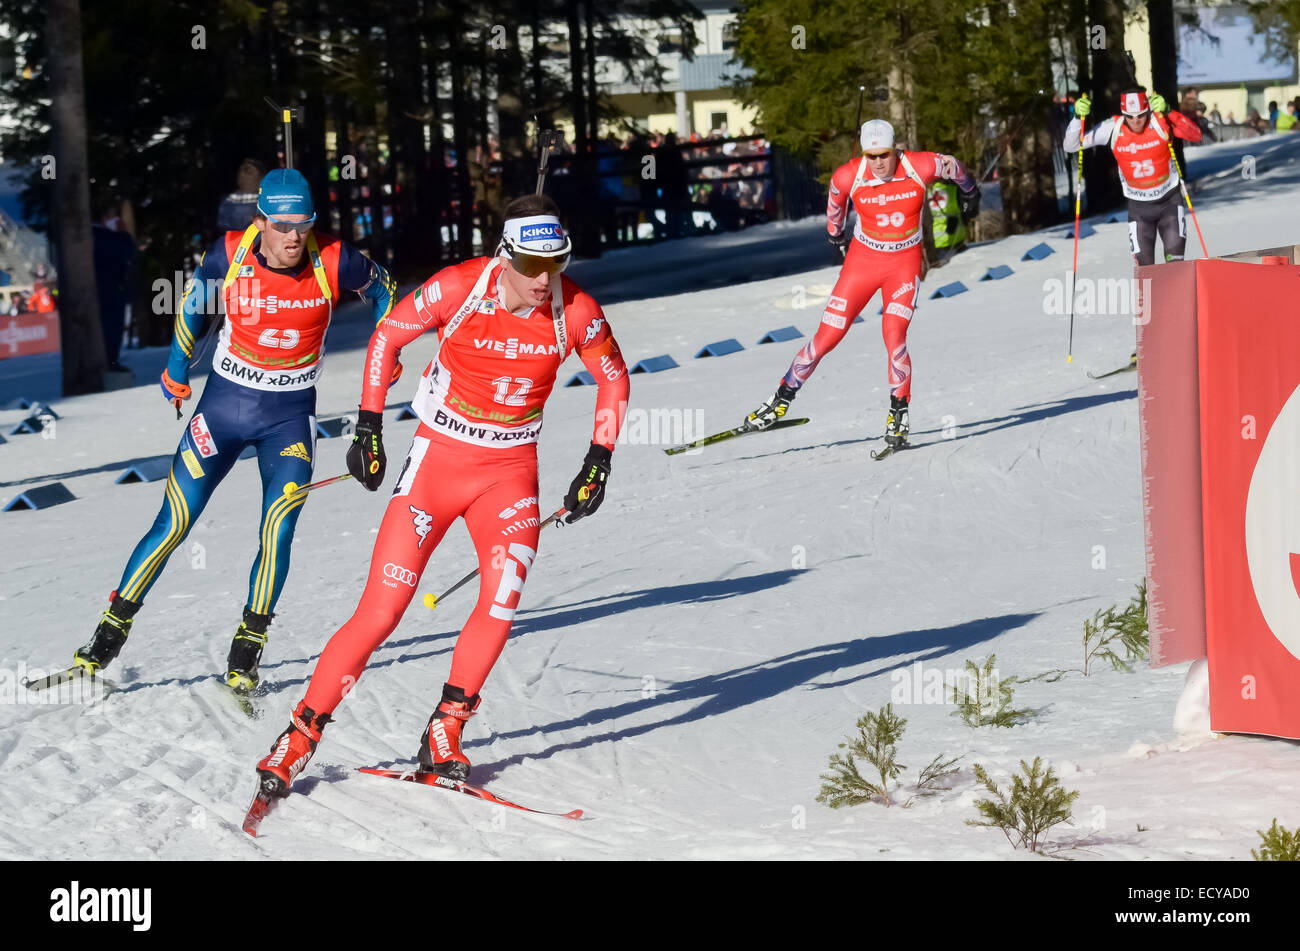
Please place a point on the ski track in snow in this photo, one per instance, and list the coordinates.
(685, 662)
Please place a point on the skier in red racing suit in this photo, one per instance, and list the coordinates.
(887, 187)
(505, 324)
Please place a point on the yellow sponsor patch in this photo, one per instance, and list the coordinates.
(192, 463)
(298, 451)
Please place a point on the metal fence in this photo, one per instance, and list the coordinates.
(653, 194)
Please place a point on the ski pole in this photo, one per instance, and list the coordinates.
(286, 115)
(293, 488)
(997, 158)
(1182, 183)
(547, 141)
(1074, 276)
(857, 125)
(432, 601)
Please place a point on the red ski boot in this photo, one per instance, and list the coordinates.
(292, 750)
(440, 745)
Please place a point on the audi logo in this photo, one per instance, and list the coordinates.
(398, 573)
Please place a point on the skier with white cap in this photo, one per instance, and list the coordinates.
(514, 319)
(887, 186)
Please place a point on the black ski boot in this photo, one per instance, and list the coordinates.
(246, 652)
(896, 423)
(109, 636)
(773, 410)
(440, 745)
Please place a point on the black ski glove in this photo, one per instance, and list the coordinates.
(588, 490)
(969, 202)
(366, 459)
(840, 242)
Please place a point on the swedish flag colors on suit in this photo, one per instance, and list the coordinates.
(229, 417)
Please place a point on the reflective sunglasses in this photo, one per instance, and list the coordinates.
(877, 156)
(531, 265)
(284, 227)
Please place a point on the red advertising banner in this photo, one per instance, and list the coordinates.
(1248, 319)
(1170, 432)
(29, 333)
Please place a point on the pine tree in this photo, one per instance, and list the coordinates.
(984, 699)
(1278, 844)
(876, 743)
(1037, 802)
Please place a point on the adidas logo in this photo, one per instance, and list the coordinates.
(297, 450)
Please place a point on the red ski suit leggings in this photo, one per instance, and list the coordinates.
(495, 490)
(898, 275)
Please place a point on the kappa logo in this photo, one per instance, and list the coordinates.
(397, 573)
(1273, 528)
(592, 329)
(423, 523)
(297, 450)
(202, 436)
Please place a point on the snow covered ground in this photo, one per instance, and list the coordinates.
(687, 660)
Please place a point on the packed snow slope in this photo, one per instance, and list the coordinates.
(687, 660)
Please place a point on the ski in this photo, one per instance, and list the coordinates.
(1132, 365)
(731, 433)
(258, 811)
(442, 782)
(72, 675)
(244, 701)
(889, 451)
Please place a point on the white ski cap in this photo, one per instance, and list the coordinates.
(537, 234)
(877, 135)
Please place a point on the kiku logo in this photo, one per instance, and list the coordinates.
(540, 232)
(1273, 527)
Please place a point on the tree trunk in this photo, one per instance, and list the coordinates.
(81, 337)
(1109, 76)
(346, 158)
(437, 167)
(582, 214)
(1028, 177)
(460, 126)
(593, 95)
(1164, 49)
(516, 163)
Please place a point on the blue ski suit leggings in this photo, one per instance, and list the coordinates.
(282, 428)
